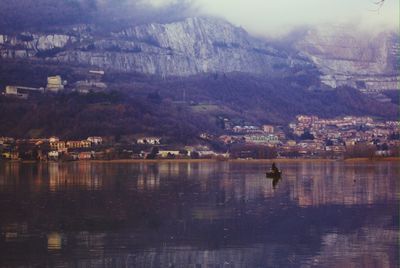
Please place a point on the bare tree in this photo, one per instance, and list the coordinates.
(379, 3)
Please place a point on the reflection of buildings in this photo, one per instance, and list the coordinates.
(358, 249)
(247, 187)
(309, 183)
(9, 175)
(341, 183)
(197, 214)
(14, 231)
(78, 175)
(93, 241)
(54, 241)
(367, 247)
(190, 257)
(148, 178)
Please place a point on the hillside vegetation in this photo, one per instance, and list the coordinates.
(178, 108)
(277, 100)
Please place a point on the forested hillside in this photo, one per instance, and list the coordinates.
(178, 108)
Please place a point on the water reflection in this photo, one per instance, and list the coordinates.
(54, 241)
(198, 215)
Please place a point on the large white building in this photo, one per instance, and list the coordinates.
(54, 84)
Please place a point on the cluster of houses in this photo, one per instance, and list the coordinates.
(48, 149)
(311, 136)
(308, 137)
(98, 148)
(343, 134)
(267, 135)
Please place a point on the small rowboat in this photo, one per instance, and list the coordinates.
(274, 174)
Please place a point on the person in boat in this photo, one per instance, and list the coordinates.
(274, 169)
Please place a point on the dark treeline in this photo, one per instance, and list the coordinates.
(71, 115)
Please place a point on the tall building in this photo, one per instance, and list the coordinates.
(54, 83)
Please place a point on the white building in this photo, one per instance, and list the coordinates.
(149, 140)
(96, 72)
(21, 92)
(168, 153)
(95, 140)
(268, 129)
(54, 139)
(53, 155)
(262, 139)
(55, 83)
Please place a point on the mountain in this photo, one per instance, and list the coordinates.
(345, 56)
(188, 47)
(178, 79)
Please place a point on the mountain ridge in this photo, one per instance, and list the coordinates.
(188, 47)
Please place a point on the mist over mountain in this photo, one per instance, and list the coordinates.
(347, 57)
(51, 15)
(259, 17)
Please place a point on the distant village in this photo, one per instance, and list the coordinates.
(307, 137)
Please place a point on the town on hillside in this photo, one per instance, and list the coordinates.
(307, 137)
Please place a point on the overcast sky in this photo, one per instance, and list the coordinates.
(271, 17)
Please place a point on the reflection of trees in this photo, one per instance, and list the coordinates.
(309, 183)
(9, 175)
(83, 176)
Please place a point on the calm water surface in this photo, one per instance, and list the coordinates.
(224, 214)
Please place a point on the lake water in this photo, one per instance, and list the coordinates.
(223, 214)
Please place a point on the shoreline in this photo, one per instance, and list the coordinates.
(366, 159)
(155, 161)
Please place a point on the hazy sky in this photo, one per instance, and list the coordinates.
(269, 17)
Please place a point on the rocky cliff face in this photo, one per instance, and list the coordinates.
(368, 62)
(203, 45)
(27, 45)
(188, 47)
